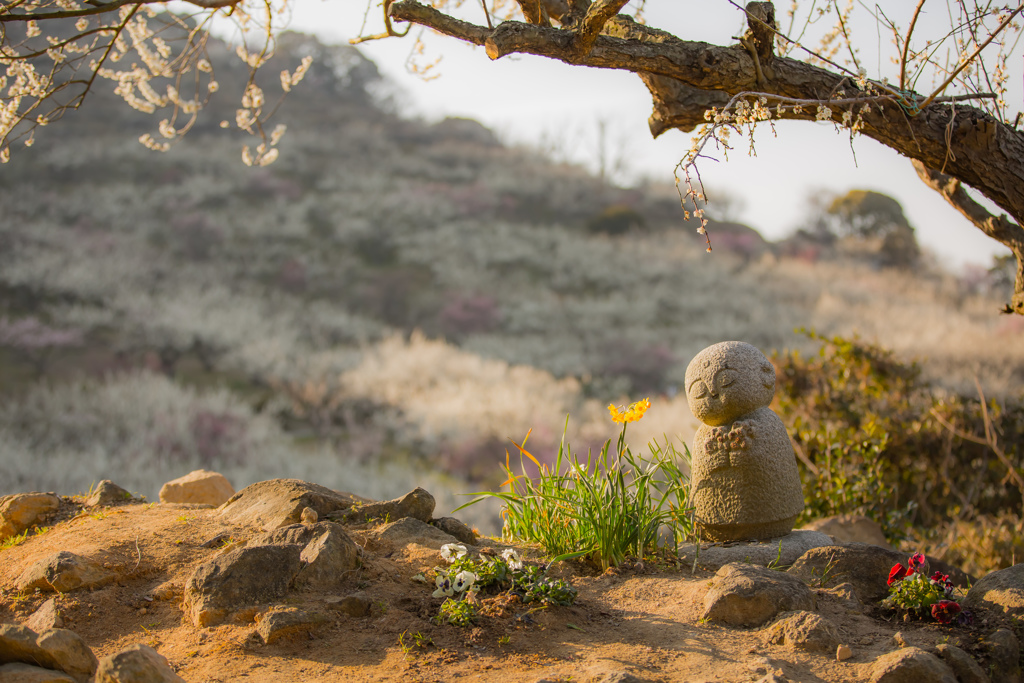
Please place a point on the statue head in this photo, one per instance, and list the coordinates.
(728, 380)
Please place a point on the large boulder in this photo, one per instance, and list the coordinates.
(20, 511)
(1001, 592)
(850, 529)
(64, 572)
(804, 631)
(410, 531)
(746, 595)
(328, 553)
(910, 665)
(238, 579)
(26, 673)
(961, 664)
(279, 502)
(286, 622)
(329, 559)
(864, 565)
(779, 552)
(136, 664)
(45, 617)
(418, 504)
(1003, 650)
(200, 487)
(108, 493)
(56, 649)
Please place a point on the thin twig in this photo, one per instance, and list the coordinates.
(967, 62)
(906, 45)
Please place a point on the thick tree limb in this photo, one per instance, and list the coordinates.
(999, 228)
(688, 77)
(103, 8)
(596, 17)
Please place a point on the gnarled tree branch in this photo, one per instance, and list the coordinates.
(999, 228)
(688, 77)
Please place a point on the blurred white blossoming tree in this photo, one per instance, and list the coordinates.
(939, 96)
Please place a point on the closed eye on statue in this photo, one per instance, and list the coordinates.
(698, 389)
(725, 377)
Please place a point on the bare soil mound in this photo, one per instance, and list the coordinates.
(635, 623)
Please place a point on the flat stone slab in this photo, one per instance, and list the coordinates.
(713, 556)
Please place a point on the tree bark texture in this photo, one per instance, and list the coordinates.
(686, 78)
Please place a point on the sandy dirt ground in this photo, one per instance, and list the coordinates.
(642, 619)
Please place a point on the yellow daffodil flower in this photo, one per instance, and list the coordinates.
(631, 414)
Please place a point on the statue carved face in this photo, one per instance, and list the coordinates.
(728, 380)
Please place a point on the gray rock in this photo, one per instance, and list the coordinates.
(713, 556)
(354, 605)
(239, 578)
(108, 493)
(409, 530)
(279, 502)
(64, 572)
(863, 565)
(1001, 592)
(962, 664)
(329, 558)
(56, 649)
(68, 652)
(18, 644)
(136, 664)
(614, 677)
(25, 673)
(850, 529)
(198, 486)
(417, 504)
(1003, 656)
(456, 528)
(804, 631)
(20, 511)
(45, 617)
(286, 622)
(744, 482)
(910, 665)
(745, 595)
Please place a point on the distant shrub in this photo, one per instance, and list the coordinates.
(617, 219)
(876, 440)
(465, 315)
(646, 367)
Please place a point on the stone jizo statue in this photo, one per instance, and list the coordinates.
(744, 481)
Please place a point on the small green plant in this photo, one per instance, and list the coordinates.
(912, 592)
(504, 640)
(605, 508)
(416, 640)
(464, 577)
(18, 539)
(456, 612)
(12, 541)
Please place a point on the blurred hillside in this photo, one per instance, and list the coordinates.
(389, 293)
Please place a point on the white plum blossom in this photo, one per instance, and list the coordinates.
(511, 558)
(444, 586)
(464, 580)
(453, 551)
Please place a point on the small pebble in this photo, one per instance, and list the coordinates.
(843, 653)
(142, 611)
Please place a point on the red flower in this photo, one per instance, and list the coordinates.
(897, 573)
(917, 561)
(945, 611)
(939, 577)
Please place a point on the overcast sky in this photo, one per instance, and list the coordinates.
(526, 99)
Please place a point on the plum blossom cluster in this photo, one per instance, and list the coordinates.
(466, 576)
(913, 592)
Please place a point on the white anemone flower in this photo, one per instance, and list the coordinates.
(453, 551)
(511, 558)
(444, 586)
(463, 581)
